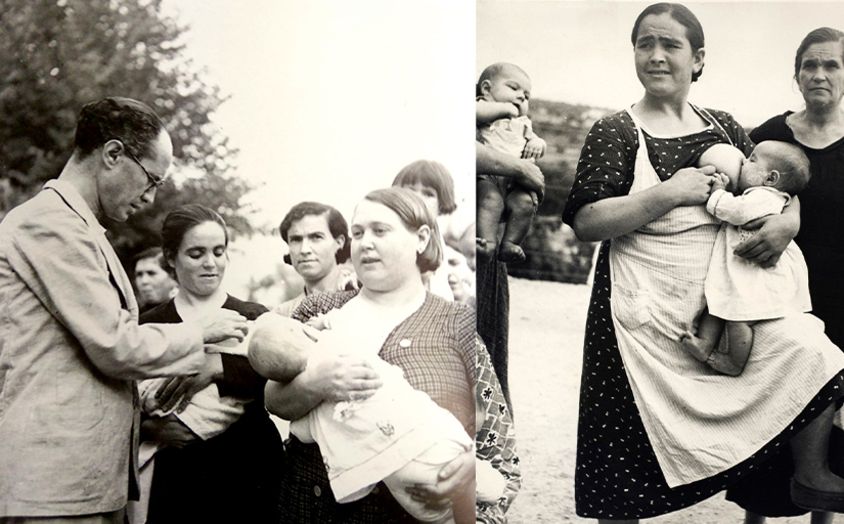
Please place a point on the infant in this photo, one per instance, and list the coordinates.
(503, 92)
(739, 292)
(399, 435)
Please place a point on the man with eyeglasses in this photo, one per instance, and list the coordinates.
(71, 347)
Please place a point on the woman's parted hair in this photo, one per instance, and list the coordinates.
(181, 220)
(820, 35)
(434, 175)
(683, 16)
(414, 214)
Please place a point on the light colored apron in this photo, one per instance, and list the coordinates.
(701, 423)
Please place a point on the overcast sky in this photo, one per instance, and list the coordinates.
(581, 51)
(329, 98)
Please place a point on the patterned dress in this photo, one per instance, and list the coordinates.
(439, 351)
(617, 474)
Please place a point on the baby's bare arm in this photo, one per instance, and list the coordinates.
(486, 112)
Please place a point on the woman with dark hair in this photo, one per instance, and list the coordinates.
(395, 240)
(219, 457)
(818, 129)
(658, 429)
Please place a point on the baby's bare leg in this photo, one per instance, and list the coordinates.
(522, 206)
(701, 344)
(739, 344)
(733, 357)
(490, 203)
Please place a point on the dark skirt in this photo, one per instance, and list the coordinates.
(233, 477)
(493, 299)
(617, 474)
(306, 495)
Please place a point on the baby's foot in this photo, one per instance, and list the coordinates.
(511, 253)
(695, 346)
(484, 248)
(723, 363)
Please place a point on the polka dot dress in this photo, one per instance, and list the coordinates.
(617, 475)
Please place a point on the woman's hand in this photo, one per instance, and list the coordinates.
(531, 177)
(341, 377)
(455, 482)
(178, 391)
(691, 185)
(167, 431)
(773, 234)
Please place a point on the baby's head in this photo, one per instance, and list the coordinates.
(504, 82)
(775, 164)
(278, 347)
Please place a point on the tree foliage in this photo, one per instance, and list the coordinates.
(60, 54)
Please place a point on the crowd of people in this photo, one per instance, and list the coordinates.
(150, 402)
(711, 352)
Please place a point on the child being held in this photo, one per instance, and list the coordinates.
(399, 435)
(739, 292)
(503, 92)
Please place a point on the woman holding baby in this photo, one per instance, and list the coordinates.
(434, 345)
(660, 430)
(818, 130)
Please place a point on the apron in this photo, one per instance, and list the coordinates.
(701, 423)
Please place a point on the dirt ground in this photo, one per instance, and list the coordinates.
(546, 338)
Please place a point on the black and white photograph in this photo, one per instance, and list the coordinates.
(525, 261)
(671, 355)
(237, 265)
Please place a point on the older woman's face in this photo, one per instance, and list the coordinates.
(821, 76)
(383, 249)
(664, 57)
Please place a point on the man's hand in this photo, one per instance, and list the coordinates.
(178, 391)
(167, 431)
(222, 324)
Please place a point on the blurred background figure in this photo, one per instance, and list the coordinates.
(153, 282)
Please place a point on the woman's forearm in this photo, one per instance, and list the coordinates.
(491, 162)
(616, 216)
(488, 161)
(290, 401)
